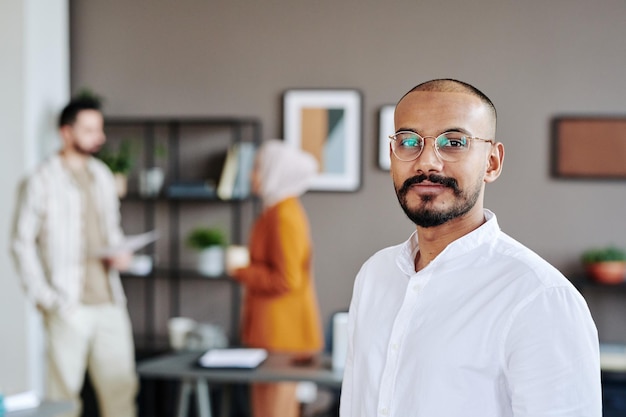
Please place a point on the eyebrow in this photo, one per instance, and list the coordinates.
(450, 129)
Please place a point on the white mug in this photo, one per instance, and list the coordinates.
(237, 256)
(179, 329)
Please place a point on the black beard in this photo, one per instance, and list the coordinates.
(426, 217)
(84, 151)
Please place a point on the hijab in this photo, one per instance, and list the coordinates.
(284, 171)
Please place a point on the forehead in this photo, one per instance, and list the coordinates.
(429, 112)
(89, 117)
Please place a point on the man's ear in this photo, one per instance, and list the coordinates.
(390, 158)
(64, 131)
(495, 160)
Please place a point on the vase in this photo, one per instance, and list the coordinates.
(610, 272)
(151, 182)
(211, 261)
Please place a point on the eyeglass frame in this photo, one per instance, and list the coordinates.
(434, 138)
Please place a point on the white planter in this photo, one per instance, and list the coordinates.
(211, 261)
(151, 182)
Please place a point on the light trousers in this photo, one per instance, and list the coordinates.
(97, 338)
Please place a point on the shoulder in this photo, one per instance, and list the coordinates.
(48, 170)
(525, 262)
(384, 261)
(98, 166)
(287, 211)
(101, 171)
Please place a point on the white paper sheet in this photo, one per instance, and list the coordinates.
(129, 244)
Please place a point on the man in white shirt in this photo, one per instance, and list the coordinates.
(461, 320)
(67, 211)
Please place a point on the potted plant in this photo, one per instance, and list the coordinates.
(606, 265)
(209, 242)
(120, 162)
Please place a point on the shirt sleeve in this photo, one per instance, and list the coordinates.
(26, 228)
(287, 265)
(551, 354)
(345, 401)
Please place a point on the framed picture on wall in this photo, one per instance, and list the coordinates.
(327, 124)
(385, 128)
(589, 147)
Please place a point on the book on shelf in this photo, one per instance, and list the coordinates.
(191, 189)
(229, 173)
(235, 181)
(245, 164)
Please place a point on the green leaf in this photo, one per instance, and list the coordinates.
(204, 237)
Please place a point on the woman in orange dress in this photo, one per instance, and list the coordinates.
(280, 310)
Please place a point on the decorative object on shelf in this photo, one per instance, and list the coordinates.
(120, 162)
(185, 333)
(178, 329)
(605, 265)
(206, 336)
(151, 179)
(327, 124)
(210, 244)
(385, 128)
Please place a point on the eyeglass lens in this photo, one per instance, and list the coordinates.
(450, 146)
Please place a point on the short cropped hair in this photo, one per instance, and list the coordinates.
(76, 105)
(449, 85)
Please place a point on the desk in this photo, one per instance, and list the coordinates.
(276, 368)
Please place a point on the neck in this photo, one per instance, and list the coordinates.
(74, 160)
(433, 240)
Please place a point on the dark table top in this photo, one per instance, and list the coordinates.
(277, 367)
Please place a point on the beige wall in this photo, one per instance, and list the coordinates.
(535, 59)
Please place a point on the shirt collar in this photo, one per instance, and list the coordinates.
(487, 232)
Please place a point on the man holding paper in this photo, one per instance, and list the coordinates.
(67, 211)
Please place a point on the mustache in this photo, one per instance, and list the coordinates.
(434, 178)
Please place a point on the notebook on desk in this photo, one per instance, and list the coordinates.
(233, 358)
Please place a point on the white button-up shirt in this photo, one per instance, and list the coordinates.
(48, 242)
(487, 329)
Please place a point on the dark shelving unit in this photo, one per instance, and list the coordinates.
(196, 148)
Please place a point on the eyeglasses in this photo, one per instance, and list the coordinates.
(449, 146)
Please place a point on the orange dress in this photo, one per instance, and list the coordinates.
(280, 311)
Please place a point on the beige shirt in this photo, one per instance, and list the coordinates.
(47, 241)
(95, 281)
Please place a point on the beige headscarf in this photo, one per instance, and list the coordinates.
(284, 171)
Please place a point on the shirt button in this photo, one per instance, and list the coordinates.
(416, 288)
(394, 346)
(384, 411)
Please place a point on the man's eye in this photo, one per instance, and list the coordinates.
(445, 142)
(410, 143)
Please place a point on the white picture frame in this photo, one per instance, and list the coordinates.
(385, 128)
(327, 123)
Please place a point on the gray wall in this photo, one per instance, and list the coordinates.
(535, 59)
